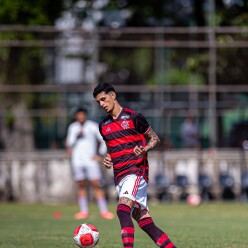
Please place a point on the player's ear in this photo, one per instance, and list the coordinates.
(113, 95)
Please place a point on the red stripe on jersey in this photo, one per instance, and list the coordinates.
(121, 153)
(117, 126)
(136, 161)
(125, 139)
(127, 171)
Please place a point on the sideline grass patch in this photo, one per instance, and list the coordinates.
(217, 225)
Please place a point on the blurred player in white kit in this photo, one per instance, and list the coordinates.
(82, 143)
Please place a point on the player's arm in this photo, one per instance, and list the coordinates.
(153, 141)
(70, 140)
(107, 162)
(102, 148)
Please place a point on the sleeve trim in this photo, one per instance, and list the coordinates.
(148, 130)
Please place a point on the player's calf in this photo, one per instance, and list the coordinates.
(157, 235)
(127, 227)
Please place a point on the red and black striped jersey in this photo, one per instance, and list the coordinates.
(121, 136)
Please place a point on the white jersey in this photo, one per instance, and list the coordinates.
(85, 146)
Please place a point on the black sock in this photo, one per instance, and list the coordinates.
(157, 235)
(127, 227)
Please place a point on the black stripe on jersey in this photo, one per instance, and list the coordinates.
(127, 157)
(121, 134)
(128, 170)
(127, 146)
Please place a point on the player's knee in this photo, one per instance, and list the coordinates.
(136, 214)
(82, 184)
(140, 214)
(96, 184)
(127, 201)
(124, 207)
(122, 210)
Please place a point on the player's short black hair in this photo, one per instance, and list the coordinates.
(80, 109)
(103, 87)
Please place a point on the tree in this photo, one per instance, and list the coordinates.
(22, 66)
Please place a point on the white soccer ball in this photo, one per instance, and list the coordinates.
(194, 200)
(86, 235)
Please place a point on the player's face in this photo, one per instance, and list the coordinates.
(106, 101)
(81, 117)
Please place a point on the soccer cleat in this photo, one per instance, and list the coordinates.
(81, 215)
(107, 215)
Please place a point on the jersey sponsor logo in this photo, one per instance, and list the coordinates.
(125, 193)
(125, 124)
(125, 117)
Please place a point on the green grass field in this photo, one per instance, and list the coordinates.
(216, 225)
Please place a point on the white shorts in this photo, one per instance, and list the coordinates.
(90, 173)
(135, 188)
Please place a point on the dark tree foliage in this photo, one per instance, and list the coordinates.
(181, 12)
(235, 14)
(20, 65)
(39, 12)
(199, 13)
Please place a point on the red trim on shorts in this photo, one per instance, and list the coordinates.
(136, 185)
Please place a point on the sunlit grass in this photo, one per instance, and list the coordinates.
(219, 225)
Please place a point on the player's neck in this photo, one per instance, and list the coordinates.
(82, 122)
(117, 110)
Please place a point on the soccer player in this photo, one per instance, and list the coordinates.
(81, 143)
(125, 132)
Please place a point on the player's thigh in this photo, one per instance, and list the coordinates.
(94, 172)
(127, 201)
(133, 187)
(141, 195)
(78, 173)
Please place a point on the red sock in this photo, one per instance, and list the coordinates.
(127, 227)
(157, 235)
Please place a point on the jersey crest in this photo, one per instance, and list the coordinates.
(125, 124)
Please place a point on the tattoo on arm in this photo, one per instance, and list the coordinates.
(154, 140)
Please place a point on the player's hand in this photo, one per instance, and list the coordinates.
(69, 152)
(80, 134)
(139, 150)
(107, 162)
